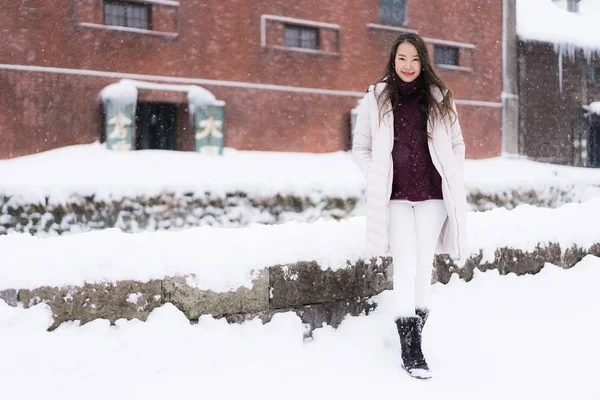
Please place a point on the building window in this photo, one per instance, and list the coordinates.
(593, 74)
(301, 36)
(445, 55)
(130, 15)
(392, 11)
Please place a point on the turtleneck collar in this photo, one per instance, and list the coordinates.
(409, 89)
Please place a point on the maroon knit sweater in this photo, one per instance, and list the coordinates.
(415, 177)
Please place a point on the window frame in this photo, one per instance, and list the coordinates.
(272, 35)
(127, 7)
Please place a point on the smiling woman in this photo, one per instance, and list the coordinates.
(409, 145)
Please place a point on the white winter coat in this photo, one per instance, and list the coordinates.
(372, 152)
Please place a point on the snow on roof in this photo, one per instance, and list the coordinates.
(126, 91)
(121, 92)
(202, 97)
(549, 21)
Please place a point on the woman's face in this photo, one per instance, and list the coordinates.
(408, 63)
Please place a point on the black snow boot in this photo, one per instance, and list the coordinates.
(413, 361)
(424, 314)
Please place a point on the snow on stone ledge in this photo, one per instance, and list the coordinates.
(545, 21)
(225, 259)
(222, 259)
(108, 175)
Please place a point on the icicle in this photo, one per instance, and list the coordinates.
(560, 70)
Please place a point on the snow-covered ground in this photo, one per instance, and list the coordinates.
(91, 169)
(497, 337)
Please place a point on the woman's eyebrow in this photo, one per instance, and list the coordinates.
(403, 55)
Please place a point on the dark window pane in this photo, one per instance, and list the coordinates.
(131, 15)
(591, 74)
(308, 38)
(292, 36)
(392, 11)
(445, 55)
(138, 17)
(301, 36)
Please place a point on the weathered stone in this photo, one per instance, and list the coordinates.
(9, 296)
(194, 302)
(506, 260)
(167, 211)
(595, 250)
(548, 197)
(314, 315)
(466, 271)
(515, 260)
(304, 283)
(484, 266)
(377, 275)
(265, 316)
(572, 256)
(318, 296)
(111, 301)
(443, 268)
(552, 253)
(334, 312)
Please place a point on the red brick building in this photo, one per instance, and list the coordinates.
(288, 72)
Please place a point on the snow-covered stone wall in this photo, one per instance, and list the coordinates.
(170, 211)
(167, 211)
(317, 295)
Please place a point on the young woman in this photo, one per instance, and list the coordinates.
(408, 144)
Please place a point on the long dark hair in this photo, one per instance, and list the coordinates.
(433, 110)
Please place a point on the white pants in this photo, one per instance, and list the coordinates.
(414, 229)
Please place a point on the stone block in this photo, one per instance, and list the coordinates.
(305, 282)
(9, 296)
(194, 302)
(314, 315)
(507, 260)
(572, 256)
(111, 301)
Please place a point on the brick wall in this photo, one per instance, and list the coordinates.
(220, 40)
